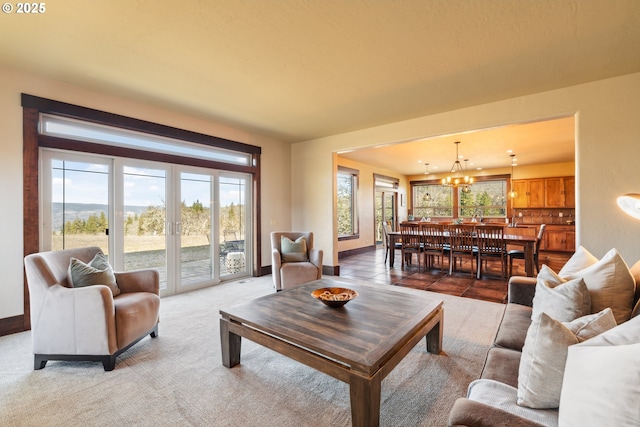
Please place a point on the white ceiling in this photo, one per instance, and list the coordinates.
(296, 70)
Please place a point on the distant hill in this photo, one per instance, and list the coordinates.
(70, 211)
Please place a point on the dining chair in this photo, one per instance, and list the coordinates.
(519, 254)
(386, 229)
(491, 245)
(411, 243)
(433, 243)
(463, 244)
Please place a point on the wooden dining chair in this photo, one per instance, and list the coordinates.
(519, 254)
(433, 243)
(411, 243)
(386, 229)
(491, 245)
(463, 244)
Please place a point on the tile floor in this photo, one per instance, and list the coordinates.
(371, 266)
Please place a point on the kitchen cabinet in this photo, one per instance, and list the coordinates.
(530, 193)
(559, 238)
(559, 192)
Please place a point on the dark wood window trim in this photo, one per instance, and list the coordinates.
(33, 106)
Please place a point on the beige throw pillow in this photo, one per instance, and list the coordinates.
(562, 300)
(610, 284)
(601, 384)
(580, 260)
(293, 251)
(97, 272)
(544, 355)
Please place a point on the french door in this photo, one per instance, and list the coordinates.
(188, 223)
(385, 211)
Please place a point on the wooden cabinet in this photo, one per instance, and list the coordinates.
(559, 192)
(570, 192)
(559, 238)
(530, 193)
(544, 192)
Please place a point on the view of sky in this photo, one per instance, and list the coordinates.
(77, 182)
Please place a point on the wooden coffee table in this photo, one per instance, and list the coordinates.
(359, 343)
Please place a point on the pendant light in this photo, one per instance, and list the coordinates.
(458, 176)
(512, 193)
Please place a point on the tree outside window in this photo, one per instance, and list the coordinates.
(432, 200)
(347, 181)
(486, 199)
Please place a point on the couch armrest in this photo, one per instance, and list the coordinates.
(74, 321)
(315, 257)
(521, 290)
(276, 264)
(466, 412)
(139, 281)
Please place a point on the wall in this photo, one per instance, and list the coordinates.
(607, 149)
(366, 202)
(275, 161)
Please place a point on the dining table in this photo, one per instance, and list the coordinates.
(526, 242)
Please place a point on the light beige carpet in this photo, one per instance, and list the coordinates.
(178, 379)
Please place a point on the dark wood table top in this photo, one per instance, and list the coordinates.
(363, 334)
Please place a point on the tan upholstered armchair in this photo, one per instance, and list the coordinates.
(292, 268)
(87, 323)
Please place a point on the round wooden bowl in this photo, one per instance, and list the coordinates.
(334, 297)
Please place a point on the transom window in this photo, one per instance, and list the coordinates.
(101, 134)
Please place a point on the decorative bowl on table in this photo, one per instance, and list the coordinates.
(334, 297)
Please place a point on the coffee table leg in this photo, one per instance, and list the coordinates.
(230, 344)
(434, 336)
(365, 401)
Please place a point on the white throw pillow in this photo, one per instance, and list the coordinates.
(562, 300)
(610, 284)
(601, 384)
(580, 260)
(544, 355)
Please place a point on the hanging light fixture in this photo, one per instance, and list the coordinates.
(458, 177)
(427, 197)
(512, 193)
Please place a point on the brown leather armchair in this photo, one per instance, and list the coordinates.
(87, 323)
(290, 274)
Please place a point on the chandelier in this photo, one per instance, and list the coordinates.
(512, 193)
(458, 177)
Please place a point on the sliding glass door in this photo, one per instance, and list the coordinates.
(190, 224)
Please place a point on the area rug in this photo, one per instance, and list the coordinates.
(178, 379)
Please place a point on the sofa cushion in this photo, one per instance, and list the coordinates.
(293, 251)
(513, 328)
(593, 371)
(580, 260)
(562, 300)
(504, 397)
(502, 365)
(97, 272)
(545, 351)
(610, 284)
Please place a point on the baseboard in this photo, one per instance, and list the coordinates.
(356, 251)
(326, 270)
(12, 325)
